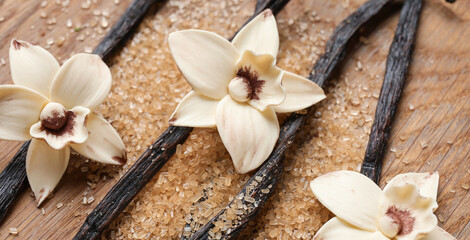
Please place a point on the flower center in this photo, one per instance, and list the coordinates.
(396, 222)
(390, 225)
(245, 86)
(53, 116)
(239, 89)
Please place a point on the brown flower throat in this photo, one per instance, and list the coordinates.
(250, 78)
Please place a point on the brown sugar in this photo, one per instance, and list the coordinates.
(147, 87)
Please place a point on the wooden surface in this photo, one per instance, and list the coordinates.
(431, 132)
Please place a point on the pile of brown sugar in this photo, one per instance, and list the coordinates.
(148, 86)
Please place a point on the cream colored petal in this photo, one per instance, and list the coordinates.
(195, 110)
(335, 229)
(206, 60)
(427, 183)
(20, 108)
(32, 66)
(74, 131)
(300, 93)
(439, 234)
(413, 211)
(263, 80)
(259, 35)
(44, 168)
(84, 80)
(351, 196)
(104, 144)
(248, 134)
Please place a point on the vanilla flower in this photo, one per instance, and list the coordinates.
(54, 106)
(238, 89)
(402, 211)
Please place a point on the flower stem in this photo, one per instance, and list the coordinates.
(396, 69)
(260, 186)
(14, 175)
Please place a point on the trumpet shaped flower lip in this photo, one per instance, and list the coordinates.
(54, 105)
(60, 130)
(238, 88)
(402, 211)
(261, 81)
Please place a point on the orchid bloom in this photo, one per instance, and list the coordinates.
(238, 89)
(54, 106)
(402, 211)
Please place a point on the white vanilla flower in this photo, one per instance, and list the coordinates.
(402, 211)
(54, 106)
(238, 89)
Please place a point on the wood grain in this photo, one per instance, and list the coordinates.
(431, 131)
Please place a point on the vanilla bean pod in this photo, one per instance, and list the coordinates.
(396, 69)
(260, 186)
(260, 4)
(143, 170)
(13, 177)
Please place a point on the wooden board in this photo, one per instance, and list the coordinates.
(431, 132)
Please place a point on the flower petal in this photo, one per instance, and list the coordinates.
(248, 134)
(195, 110)
(263, 78)
(20, 108)
(32, 66)
(84, 80)
(206, 60)
(74, 130)
(415, 212)
(45, 167)
(300, 93)
(104, 144)
(335, 229)
(259, 35)
(351, 196)
(427, 183)
(439, 234)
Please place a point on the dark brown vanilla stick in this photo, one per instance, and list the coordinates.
(259, 187)
(13, 177)
(395, 74)
(138, 175)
